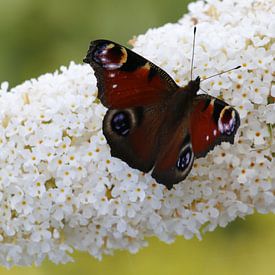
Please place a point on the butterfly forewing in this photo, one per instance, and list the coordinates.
(212, 121)
(135, 91)
(126, 79)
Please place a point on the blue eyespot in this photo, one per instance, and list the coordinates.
(121, 124)
(184, 159)
(227, 122)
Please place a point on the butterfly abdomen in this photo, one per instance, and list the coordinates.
(182, 101)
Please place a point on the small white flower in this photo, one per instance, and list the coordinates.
(270, 113)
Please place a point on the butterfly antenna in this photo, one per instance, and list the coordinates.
(223, 72)
(193, 48)
(203, 91)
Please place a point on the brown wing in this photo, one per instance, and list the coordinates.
(133, 134)
(175, 158)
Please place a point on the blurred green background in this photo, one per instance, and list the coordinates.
(37, 37)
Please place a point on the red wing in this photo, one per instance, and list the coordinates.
(211, 122)
(126, 79)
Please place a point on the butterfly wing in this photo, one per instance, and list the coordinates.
(135, 91)
(212, 121)
(126, 79)
(133, 134)
(175, 159)
(206, 122)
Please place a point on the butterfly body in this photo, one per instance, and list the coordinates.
(152, 123)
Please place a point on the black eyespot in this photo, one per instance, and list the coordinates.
(121, 124)
(184, 159)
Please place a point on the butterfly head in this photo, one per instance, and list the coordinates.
(194, 85)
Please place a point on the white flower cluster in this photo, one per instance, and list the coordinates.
(60, 190)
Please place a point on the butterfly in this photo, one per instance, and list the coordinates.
(153, 124)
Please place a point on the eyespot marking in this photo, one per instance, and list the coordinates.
(121, 123)
(185, 158)
(110, 56)
(227, 121)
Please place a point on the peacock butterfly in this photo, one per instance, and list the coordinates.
(151, 123)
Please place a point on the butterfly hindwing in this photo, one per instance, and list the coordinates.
(132, 134)
(212, 121)
(126, 79)
(175, 160)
